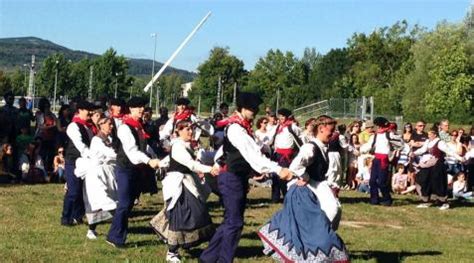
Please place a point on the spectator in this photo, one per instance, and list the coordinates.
(46, 129)
(444, 131)
(454, 165)
(353, 154)
(7, 164)
(25, 116)
(363, 176)
(407, 132)
(308, 132)
(96, 115)
(31, 165)
(399, 180)
(367, 132)
(64, 118)
(262, 136)
(8, 116)
(272, 121)
(419, 137)
(460, 187)
(461, 132)
(59, 163)
(23, 140)
(354, 128)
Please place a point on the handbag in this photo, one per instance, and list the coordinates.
(427, 161)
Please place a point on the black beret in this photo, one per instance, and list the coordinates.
(381, 122)
(136, 102)
(85, 105)
(285, 112)
(116, 102)
(182, 101)
(249, 101)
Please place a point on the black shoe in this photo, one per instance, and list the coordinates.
(115, 245)
(386, 203)
(78, 221)
(66, 223)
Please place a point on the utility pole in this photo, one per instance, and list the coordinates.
(91, 73)
(234, 100)
(116, 84)
(152, 69)
(26, 78)
(218, 101)
(278, 99)
(55, 85)
(157, 97)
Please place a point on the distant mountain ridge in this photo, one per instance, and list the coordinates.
(15, 52)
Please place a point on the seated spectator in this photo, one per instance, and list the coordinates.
(460, 187)
(399, 180)
(22, 140)
(7, 166)
(31, 165)
(59, 165)
(363, 176)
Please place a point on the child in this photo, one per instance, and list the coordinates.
(399, 180)
(460, 187)
(58, 163)
(363, 176)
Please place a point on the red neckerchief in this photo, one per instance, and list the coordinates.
(137, 124)
(242, 122)
(117, 116)
(76, 119)
(287, 123)
(383, 130)
(186, 114)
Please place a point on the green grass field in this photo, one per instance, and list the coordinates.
(30, 230)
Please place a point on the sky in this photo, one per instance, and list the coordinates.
(248, 27)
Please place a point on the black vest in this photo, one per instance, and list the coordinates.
(71, 152)
(317, 170)
(178, 167)
(122, 159)
(233, 158)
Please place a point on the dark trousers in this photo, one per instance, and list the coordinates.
(279, 186)
(73, 207)
(222, 247)
(379, 181)
(127, 189)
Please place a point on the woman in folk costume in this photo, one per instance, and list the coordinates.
(304, 230)
(131, 153)
(432, 176)
(80, 136)
(185, 221)
(100, 186)
(183, 113)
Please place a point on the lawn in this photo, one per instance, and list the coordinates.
(30, 230)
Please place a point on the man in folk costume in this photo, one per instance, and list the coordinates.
(286, 141)
(115, 111)
(304, 230)
(336, 146)
(183, 113)
(80, 135)
(131, 153)
(242, 156)
(381, 144)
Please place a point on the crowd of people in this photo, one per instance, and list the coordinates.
(109, 153)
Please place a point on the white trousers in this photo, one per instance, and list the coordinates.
(334, 173)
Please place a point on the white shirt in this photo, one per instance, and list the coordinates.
(284, 139)
(102, 152)
(75, 136)
(442, 146)
(305, 157)
(382, 144)
(179, 152)
(249, 150)
(129, 146)
(167, 130)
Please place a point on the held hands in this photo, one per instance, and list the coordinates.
(302, 181)
(285, 174)
(215, 170)
(154, 163)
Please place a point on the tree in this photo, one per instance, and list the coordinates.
(46, 76)
(221, 64)
(110, 72)
(5, 83)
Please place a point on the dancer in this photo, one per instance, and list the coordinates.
(131, 153)
(80, 135)
(184, 221)
(304, 230)
(183, 112)
(241, 155)
(100, 186)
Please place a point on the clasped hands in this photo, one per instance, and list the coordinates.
(287, 175)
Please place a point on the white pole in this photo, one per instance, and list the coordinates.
(153, 68)
(162, 69)
(55, 86)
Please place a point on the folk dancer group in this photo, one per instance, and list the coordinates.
(102, 169)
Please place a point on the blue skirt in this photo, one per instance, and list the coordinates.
(301, 231)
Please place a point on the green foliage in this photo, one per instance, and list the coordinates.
(5, 83)
(221, 64)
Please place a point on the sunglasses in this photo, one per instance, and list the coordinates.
(60, 151)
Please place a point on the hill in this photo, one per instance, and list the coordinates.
(14, 52)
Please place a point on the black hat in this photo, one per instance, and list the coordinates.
(84, 105)
(285, 112)
(381, 122)
(136, 102)
(182, 101)
(249, 101)
(116, 102)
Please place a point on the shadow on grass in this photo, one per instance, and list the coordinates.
(396, 201)
(146, 230)
(143, 212)
(251, 236)
(143, 243)
(242, 252)
(389, 257)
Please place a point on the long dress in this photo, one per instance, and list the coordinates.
(304, 230)
(185, 220)
(100, 187)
